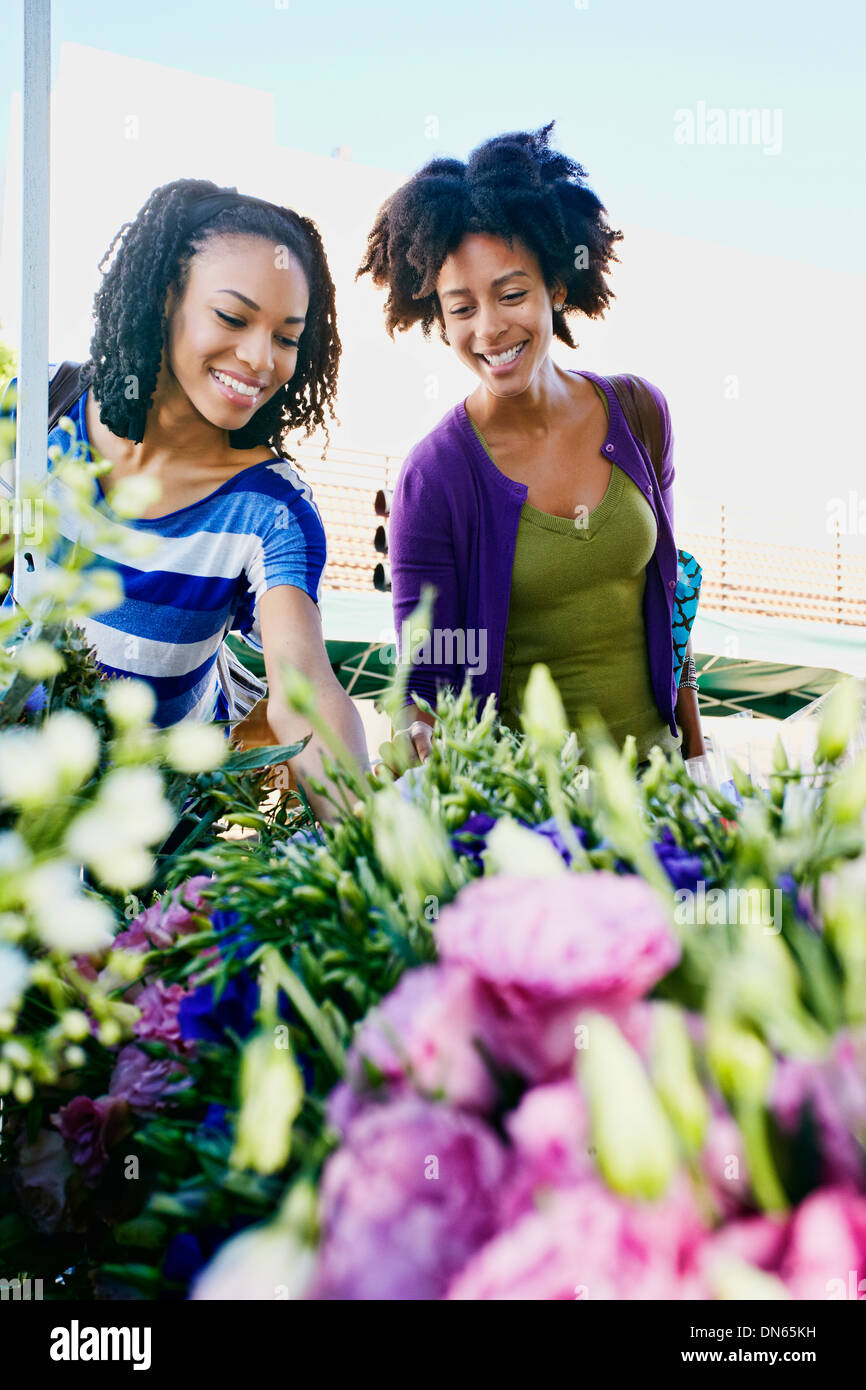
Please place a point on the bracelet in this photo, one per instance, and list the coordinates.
(688, 685)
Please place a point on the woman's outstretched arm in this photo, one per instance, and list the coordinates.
(292, 635)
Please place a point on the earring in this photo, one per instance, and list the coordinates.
(557, 308)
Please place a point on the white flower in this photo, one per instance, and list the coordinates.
(264, 1262)
(195, 747)
(74, 745)
(65, 919)
(39, 660)
(14, 976)
(14, 853)
(102, 591)
(130, 703)
(29, 776)
(135, 796)
(133, 495)
(512, 849)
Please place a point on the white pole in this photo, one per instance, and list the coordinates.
(32, 408)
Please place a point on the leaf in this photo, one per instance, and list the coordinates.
(252, 758)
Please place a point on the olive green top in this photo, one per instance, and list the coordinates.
(577, 587)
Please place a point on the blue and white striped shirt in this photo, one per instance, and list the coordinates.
(204, 576)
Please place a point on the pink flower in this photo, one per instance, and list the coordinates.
(146, 1083)
(159, 1004)
(818, 1252)
(835, 1092)
(406, 1201)
(587, 1243)
(546, 948)
(550, 1137)
(89, 1129)
(423, 1035)
(162, 923)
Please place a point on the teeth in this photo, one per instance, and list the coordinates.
(503, 357)
(240, 386)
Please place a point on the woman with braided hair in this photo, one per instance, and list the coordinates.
(215, 336)
(532, 507)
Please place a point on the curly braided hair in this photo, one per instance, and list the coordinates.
(511, 186)
(154, 253)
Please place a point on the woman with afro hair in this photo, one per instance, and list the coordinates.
(215, 336)
(531, 508)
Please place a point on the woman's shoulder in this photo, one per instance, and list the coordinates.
(443, 444)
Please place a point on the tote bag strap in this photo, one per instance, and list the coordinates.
(64, 388)
(641, 415)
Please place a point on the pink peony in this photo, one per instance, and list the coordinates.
(145, 1083)
(546, 948)
(89, 1129)
(159, 1004)
(406, 1201)
(587, 1243)
(423, 1035)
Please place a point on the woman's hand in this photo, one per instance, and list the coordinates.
(415, 741)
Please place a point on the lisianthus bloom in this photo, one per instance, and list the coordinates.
(202, 1017)
(682, 868)
(90, 1128)
(834, 1092)
(160, 1005)
(159, 926)
(814, 1252)
(551, 1148)
(405, 1202)
(588, 1243)
(423, 1034)
(145, 1083)
(546, 948)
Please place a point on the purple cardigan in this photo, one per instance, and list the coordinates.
(454, 524)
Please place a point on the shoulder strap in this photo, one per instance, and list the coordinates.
(64, 388)
(642, 416)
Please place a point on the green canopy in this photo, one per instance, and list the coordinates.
(770, 665)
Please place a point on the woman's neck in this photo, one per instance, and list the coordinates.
(535, 412)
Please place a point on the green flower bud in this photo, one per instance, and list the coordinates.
(512, 849)
(414, 850)
(543, 713)
(741, 1064)
(839, 719)
(637, 1151)
(272, 1092)
(734, 1279)
(673, 1072)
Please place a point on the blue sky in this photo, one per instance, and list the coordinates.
(383, 77)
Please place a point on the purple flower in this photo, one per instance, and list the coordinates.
(682, 868)
(471, 839)
(546, 948)
(89, 1129)
(35, 702)
(406, 1201)
(587, 1243)
(804, 903)
(423, 1035)
(146, 1083)
(203, 1018)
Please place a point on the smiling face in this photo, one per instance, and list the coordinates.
(497, 311)
(233, 333)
